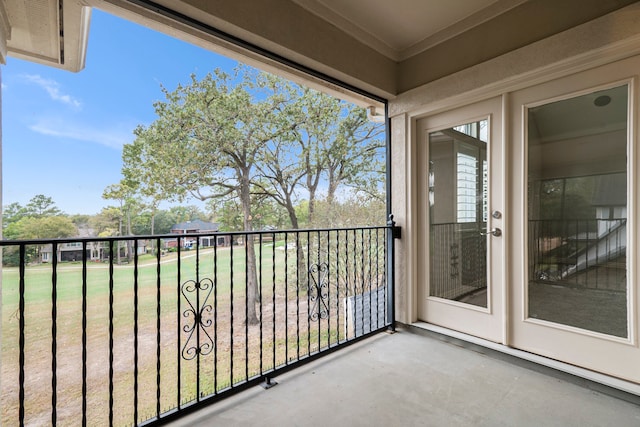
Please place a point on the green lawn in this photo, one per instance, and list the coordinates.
(284, 334)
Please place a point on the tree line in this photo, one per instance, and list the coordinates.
(40, 218)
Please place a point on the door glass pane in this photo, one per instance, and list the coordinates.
(577, 208)
(458, 213)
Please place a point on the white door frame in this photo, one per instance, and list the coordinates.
(596, 351)
(613, 356)
(489, 322)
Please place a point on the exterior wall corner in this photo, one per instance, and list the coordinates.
(400, 207)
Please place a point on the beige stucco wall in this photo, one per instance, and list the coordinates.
(531, 21)
(401, 210)
(604, 40)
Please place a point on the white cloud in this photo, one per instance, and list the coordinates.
(53, 89)
(4, 86)
(112, 137)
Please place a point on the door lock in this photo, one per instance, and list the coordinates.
(494, 232)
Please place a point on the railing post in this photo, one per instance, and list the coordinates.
(393, 232)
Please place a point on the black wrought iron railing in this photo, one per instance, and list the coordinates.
(458, 259)
(139, 330)
(589, 253)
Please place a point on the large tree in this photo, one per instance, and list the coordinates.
(124, 193)
(331, 144)
(328, 142)
(205, 143)
(106, 223)
(247, 136)
(41, 206)
(354, 157)
(315, 137)
(39, 219)
(49, 227)
(11, 213)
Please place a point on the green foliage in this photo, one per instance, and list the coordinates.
(266, 214)
(11, 214)
(11, 256)
(186, 213)
(270, 153)
(107, 221)
(358, 211)
(39, 219)
(302, 211)
(567, 198)
(228, 213)
(164, 220)
(41, 206)
(80, 220)
(31, 228)
(51, 227)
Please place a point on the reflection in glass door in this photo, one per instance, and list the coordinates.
(458, 213)
(577, 210)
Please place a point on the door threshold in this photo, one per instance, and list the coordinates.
(606, 384)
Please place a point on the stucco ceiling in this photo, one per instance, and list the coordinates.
(411, 42)
(402, 28)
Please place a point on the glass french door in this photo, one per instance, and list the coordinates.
(460, 156)
(529, 239)
(574, 208)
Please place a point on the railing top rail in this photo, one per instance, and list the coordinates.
(4, 242)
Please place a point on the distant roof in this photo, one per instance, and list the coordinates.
(197, 224)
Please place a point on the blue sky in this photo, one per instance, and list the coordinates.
(63, 132)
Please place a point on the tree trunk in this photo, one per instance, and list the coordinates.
(312, 207)
(331, 199)
(153, 227)
(252, 276)
(331, 192)
(119, 241)
(300, 254)
(129, 242)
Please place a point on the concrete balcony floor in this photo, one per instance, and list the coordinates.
(409, 379)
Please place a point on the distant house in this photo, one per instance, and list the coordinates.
(68, 252)
(72, 251)
(95, 251)
(197, 227)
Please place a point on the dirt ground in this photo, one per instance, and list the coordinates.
(239, 346)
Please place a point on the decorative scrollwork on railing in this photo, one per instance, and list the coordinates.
(319, 292)
(198, 342)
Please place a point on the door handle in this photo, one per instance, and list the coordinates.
(494, 232)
